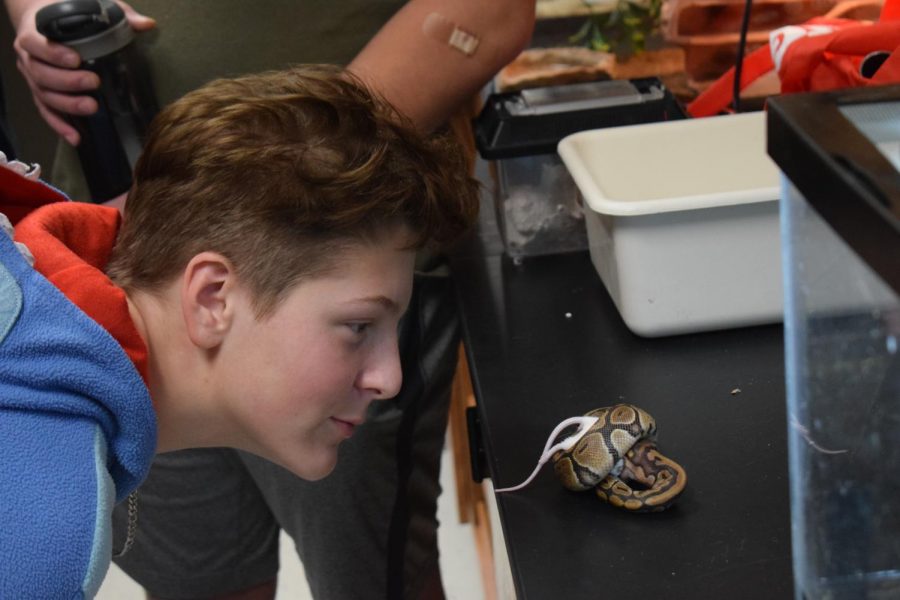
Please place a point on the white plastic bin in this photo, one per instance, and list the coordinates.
(682, 221)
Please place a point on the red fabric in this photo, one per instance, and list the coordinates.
(19, 196)
(718, 96)
(889, 72)
(890, 10)
(822, 54)
(827, 62)
(71, 243)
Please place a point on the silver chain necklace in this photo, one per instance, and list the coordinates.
(132, 524)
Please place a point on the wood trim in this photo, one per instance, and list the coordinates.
(470, 500)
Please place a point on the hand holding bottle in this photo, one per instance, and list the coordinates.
(57, 85)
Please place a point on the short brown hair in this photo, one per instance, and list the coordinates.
(278, 170)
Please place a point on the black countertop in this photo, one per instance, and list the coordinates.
(545, 342)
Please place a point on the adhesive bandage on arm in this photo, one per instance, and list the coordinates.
(442, 29)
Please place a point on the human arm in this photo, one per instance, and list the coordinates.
(422, 75)
(50, 69)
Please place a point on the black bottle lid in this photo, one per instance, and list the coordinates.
(93, 28)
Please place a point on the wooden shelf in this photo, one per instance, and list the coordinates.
(556, 9)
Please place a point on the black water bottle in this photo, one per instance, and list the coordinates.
(111, 138)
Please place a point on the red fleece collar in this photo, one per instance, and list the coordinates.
(71, 243)
(20, 195)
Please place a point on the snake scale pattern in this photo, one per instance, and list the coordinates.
(618, 458)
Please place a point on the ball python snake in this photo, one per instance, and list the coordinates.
(613, 451)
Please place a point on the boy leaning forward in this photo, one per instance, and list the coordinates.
(249, 299)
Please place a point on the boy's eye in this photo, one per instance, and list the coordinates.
(358, 328)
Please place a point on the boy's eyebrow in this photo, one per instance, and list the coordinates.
(384, 301)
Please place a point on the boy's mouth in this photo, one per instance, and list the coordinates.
(346, 427)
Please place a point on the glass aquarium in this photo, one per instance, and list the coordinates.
(840, 221)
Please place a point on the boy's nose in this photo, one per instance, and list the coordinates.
(384, 375)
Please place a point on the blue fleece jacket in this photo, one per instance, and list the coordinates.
(77, 432)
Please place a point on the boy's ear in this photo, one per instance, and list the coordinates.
(207, 298)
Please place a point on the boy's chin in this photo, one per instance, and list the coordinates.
(311, 469)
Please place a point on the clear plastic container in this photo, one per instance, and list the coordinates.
(538, 206)
(840, 216)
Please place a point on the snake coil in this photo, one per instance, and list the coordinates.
(617, 456)
(614, 452)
